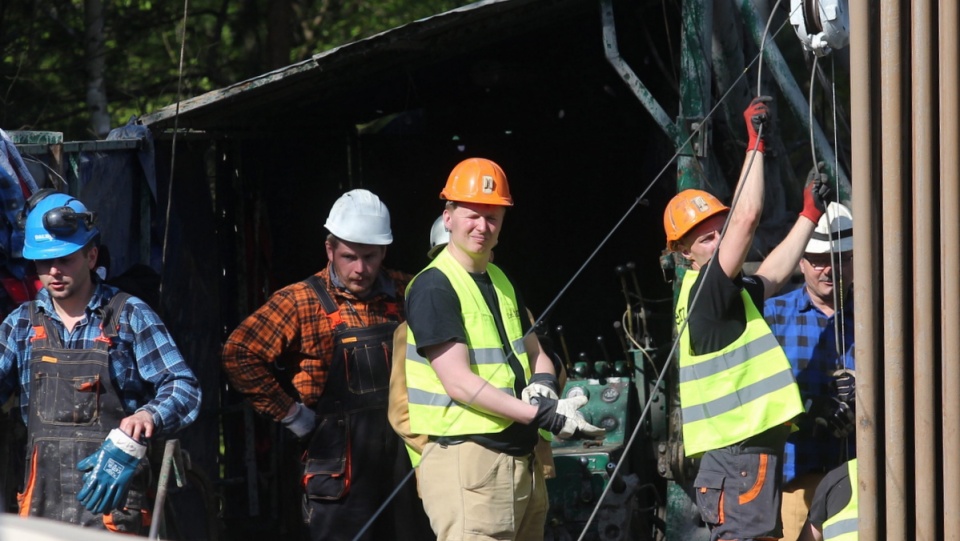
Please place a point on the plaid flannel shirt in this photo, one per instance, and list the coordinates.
(292, 332)
(809, 340)
(146, 367)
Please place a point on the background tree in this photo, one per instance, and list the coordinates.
(65, 67)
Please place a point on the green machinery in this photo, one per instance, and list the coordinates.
(632, 507)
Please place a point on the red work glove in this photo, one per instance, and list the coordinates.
(816, 194)
(755, 115)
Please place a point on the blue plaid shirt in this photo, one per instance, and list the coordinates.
(145, 364)
(809, 340)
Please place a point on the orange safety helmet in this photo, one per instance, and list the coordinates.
(686, 210)
(478, 180)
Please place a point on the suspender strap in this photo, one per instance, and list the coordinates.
(109, 326)
(110, 315)
(330, 307)
(40, 332)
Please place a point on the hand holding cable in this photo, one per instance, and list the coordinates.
(830, 413)
(844, 384)
(816, 194)
(563, 418)
(756, 117)
(108, 472)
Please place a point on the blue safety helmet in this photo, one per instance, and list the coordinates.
(57, 226)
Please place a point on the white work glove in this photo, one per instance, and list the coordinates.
(541, 384)
(562, 418)
(301, 422)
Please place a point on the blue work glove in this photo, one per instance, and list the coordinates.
(109, 471)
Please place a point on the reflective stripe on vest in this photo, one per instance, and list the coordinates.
(843, 525)
(432, 411)
(726, 396)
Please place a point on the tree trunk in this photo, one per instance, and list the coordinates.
(279, 33)
(96, 61)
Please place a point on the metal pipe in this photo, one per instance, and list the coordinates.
(924, 279)
(865, 253)
(949, 54)
(893, 172)
(612, 50)
(172, 465)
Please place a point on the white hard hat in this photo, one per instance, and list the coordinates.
(360, 216)
(836, 224)
(439, 237)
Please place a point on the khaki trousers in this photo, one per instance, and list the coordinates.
(797, 496)
(472, 493)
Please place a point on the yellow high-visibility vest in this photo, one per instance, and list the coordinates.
(432, 411)
(843, 525)
(742, 390)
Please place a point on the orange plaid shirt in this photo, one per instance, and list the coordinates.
(292, 332)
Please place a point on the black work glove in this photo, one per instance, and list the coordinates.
(563, 418)
(829, 413)
(817, 194)
(845, 386)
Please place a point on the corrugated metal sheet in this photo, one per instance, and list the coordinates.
(362, 80)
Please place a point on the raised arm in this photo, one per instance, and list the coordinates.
(748, 206)
(780, 264)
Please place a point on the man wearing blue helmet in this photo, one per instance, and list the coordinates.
(98, 375)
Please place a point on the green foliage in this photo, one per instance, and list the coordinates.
(43, 73)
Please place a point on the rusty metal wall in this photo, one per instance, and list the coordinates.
(906, 160)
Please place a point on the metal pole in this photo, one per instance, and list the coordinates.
(865, 289)
(630, 77)
(950, 261)
(171, 462)
(893, 173)
(925, 251)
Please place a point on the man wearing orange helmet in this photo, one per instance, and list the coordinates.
(737, 391)
(479, 383)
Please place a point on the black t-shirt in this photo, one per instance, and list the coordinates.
(433, 314)
(832, 495)
(719, 318)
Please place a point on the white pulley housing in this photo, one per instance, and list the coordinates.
(821, 25)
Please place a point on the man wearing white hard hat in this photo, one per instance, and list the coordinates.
(334, 330)
(814, 324)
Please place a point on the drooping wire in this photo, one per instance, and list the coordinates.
(52, 171)
(173, 150)
(813, 147)
(763, 41)
(839, 321)
(836, 262)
